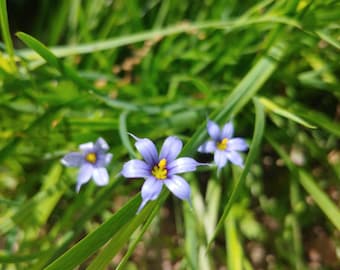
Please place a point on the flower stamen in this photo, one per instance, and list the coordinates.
(222, 145)
(91, 157)
(159, 171)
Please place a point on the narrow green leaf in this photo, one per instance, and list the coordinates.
(122, 237)
(234, 249)
(283, 112)
(67, 224)
(157, 33)
(93, 241)
(318, 118)
(6, 34)
(40, 48)
(137, 239)
(328, 39)
(241, 94)
(320, 197)
(309, 184)
(253, 153)
(123, 133)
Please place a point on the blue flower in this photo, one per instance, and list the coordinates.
(159, 170)
(92, 161)
(223, 145)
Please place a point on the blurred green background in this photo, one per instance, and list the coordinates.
(158, 68)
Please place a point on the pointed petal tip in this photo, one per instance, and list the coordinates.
(142, 205)
(102, 144)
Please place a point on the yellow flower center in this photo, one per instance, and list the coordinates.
(91, 157)
(159, 171)
(222, 145)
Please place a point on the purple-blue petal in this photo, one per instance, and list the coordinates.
(100, 176)
(108, 158)
(136, 169)
(214, 130)
(150, 191)
(237, 144)
(179, 187)
(148, 150)
(84, 175)
(101, 144)
(228, 130)
(220, 158)
(171, 148)
(207, 147)
(73, 159)
(182, 165)
(235, 158)
(87, 147)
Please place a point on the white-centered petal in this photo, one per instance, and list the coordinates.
(100, 176)
(102, 144)
(86, 147)
(228, 130)
(214, 130)
(237, 144)
(207, 147)
(108, 158)
(220, 158)
(150, 191)
(73, 159)
(235, 158)
(148, 150)
(179, 187)
(84, 175)
(171, 148)
(182, 165)
(136, 169)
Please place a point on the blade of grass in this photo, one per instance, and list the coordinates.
(67, 224)
(123, 236)
(93, 241)
(253, 153)
(320, 197)
(283, 112)
(123, 133)
(135, 241)
(172, 30)
(309, 184)
(240, 96)
(234, 250)
(72, 74)
(6, 34)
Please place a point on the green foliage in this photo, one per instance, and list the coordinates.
(72, 71)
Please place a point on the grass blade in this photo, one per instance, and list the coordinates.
(322, 200)
(6, 34)
(253, 153)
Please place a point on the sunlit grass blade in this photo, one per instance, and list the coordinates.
(155, 34)
(253, 153)
(328, 39)
(271, 106)
(234, 246)
(320, 197)
(6, 34)
(40, 48)
(317, 118)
